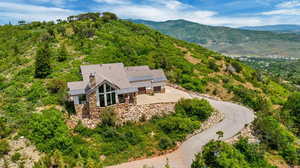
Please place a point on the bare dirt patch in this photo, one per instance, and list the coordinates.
(188, 55)
(247, 132)
(29, 154)
(42, 108)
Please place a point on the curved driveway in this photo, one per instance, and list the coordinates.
(236, 116)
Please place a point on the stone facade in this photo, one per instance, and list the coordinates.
(82, 110)
(91, 110)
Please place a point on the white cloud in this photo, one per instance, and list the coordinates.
(54, 2)
(289, 4)
(113, 1)
(285, 8)
(283, 12)
(171, 4)
(164, 12)
(14, 11)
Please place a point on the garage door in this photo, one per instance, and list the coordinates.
(142, 90)
(157, 89)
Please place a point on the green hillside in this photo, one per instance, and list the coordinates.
(37, 59)
(231, 41)
(287, 69)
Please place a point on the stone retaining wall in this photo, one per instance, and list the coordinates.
(126, 113)
(137, 112)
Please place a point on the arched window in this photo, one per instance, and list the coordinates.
(106, 95)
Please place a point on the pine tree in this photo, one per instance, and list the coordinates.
(42, 62)
(62, 54)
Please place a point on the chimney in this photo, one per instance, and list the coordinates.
(92, 80)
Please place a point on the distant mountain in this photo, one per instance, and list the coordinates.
(276, 28)
(231, 41)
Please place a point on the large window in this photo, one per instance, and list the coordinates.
(121, 98)
(82, 99)
(107, 95)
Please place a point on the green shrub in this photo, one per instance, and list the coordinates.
(219, 154)
(165, 143)
(291, 154)
(254, 154)
(16, 157)
(273, 133)
(292, 110)
(178, 127)
(237, 66)
(212, 65)
(108, 117)
(277, 137)
(250, 98)
(56, 85)
(82, 130)
(4, 147)
(132, 137)
(198, 108)
(62, 54)
(48, 131)
(36, 92)
(3, 83)
(42, 62)
(5, 130)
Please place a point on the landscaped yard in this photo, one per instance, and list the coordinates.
(117, 144)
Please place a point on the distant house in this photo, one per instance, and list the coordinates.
(113, 84)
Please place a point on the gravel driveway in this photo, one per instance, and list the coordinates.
(236, 116)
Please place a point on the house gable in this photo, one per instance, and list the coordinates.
(94, 89)
(106, 94)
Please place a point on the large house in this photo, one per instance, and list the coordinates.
(113, 84)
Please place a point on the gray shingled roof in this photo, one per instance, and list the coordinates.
(116, 74)
(158, 75)
(113, 73)
(138, 73)
(77, 88)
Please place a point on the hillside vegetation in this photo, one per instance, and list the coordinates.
(229, 41)
(37, 59)
(286, 69)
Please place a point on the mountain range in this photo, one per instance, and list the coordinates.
(231, 41)
(275, 28)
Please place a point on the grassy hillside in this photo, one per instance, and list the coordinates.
(231, 41)
(37, 59)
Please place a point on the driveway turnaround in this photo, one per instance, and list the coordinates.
(235, 119)
(171, 95)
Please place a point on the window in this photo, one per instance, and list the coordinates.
(108, 88)
(82, 99)
(101, 89)
(102, 100)
(107, 95)
(113, 98)
(121, 98)
(108, 98)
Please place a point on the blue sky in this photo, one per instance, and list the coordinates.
(233, 13)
